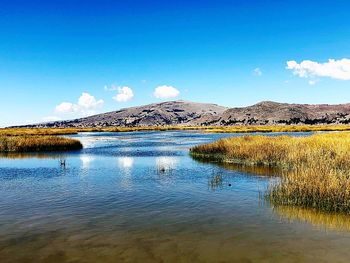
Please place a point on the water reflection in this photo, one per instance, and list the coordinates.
(332, 221)
(251, 169)
(32, 155)
(166, 164)
(86, 161)
(125, 163)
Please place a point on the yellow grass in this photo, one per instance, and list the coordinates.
(213, 129)
(9, 144)
(36, 131)
(317, 168)
(278, 128)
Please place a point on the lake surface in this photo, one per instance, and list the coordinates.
(139, 197)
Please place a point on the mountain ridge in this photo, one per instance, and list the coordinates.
(187, 113)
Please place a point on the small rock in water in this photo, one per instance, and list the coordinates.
(229, 184)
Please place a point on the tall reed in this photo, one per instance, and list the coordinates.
(37, 144)
(316, 168)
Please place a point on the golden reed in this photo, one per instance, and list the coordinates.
(316, 169)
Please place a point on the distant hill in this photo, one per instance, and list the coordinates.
(270, 113)
(187, 113)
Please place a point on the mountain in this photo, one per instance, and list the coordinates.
(157, 114)
(187, 113)
(272, 113)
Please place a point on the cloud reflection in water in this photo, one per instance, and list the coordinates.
(165, 163)
(86, 161)
(126, 164)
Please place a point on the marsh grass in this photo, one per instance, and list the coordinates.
(316, 169)
(276, 128)
(9, 144)
(210, 129)
(36, 131)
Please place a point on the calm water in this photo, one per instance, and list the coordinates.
(139, 197)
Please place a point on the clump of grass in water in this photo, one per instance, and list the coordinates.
(37, 144)
(215, 182)
(316, 168)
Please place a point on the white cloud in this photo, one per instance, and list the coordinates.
(87, 104)
(335, 69)
(65, 107)
(124, 94)
(165, 92)
(257, 72)
(51, 118)
(111, 88)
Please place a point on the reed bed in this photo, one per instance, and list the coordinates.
(316, 169)
(9, 144)
(277, 128)
(36, 131)
(211, 129)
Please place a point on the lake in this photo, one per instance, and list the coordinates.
(140, 197)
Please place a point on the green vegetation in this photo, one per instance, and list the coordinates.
(316, 169)
(35, 143)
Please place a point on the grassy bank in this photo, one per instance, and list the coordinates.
(213, 129)
(316, 168)
(35, 143)
(277, 128)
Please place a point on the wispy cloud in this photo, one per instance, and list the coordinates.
(335, 69)
(257, 72)
(110, 88)
(166, 92)
(312, 82)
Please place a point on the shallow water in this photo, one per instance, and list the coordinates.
(139, 197)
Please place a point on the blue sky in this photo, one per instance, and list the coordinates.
(234, 53)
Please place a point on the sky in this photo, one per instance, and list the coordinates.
(69, 59)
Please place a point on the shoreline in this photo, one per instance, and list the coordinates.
(210, 129)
